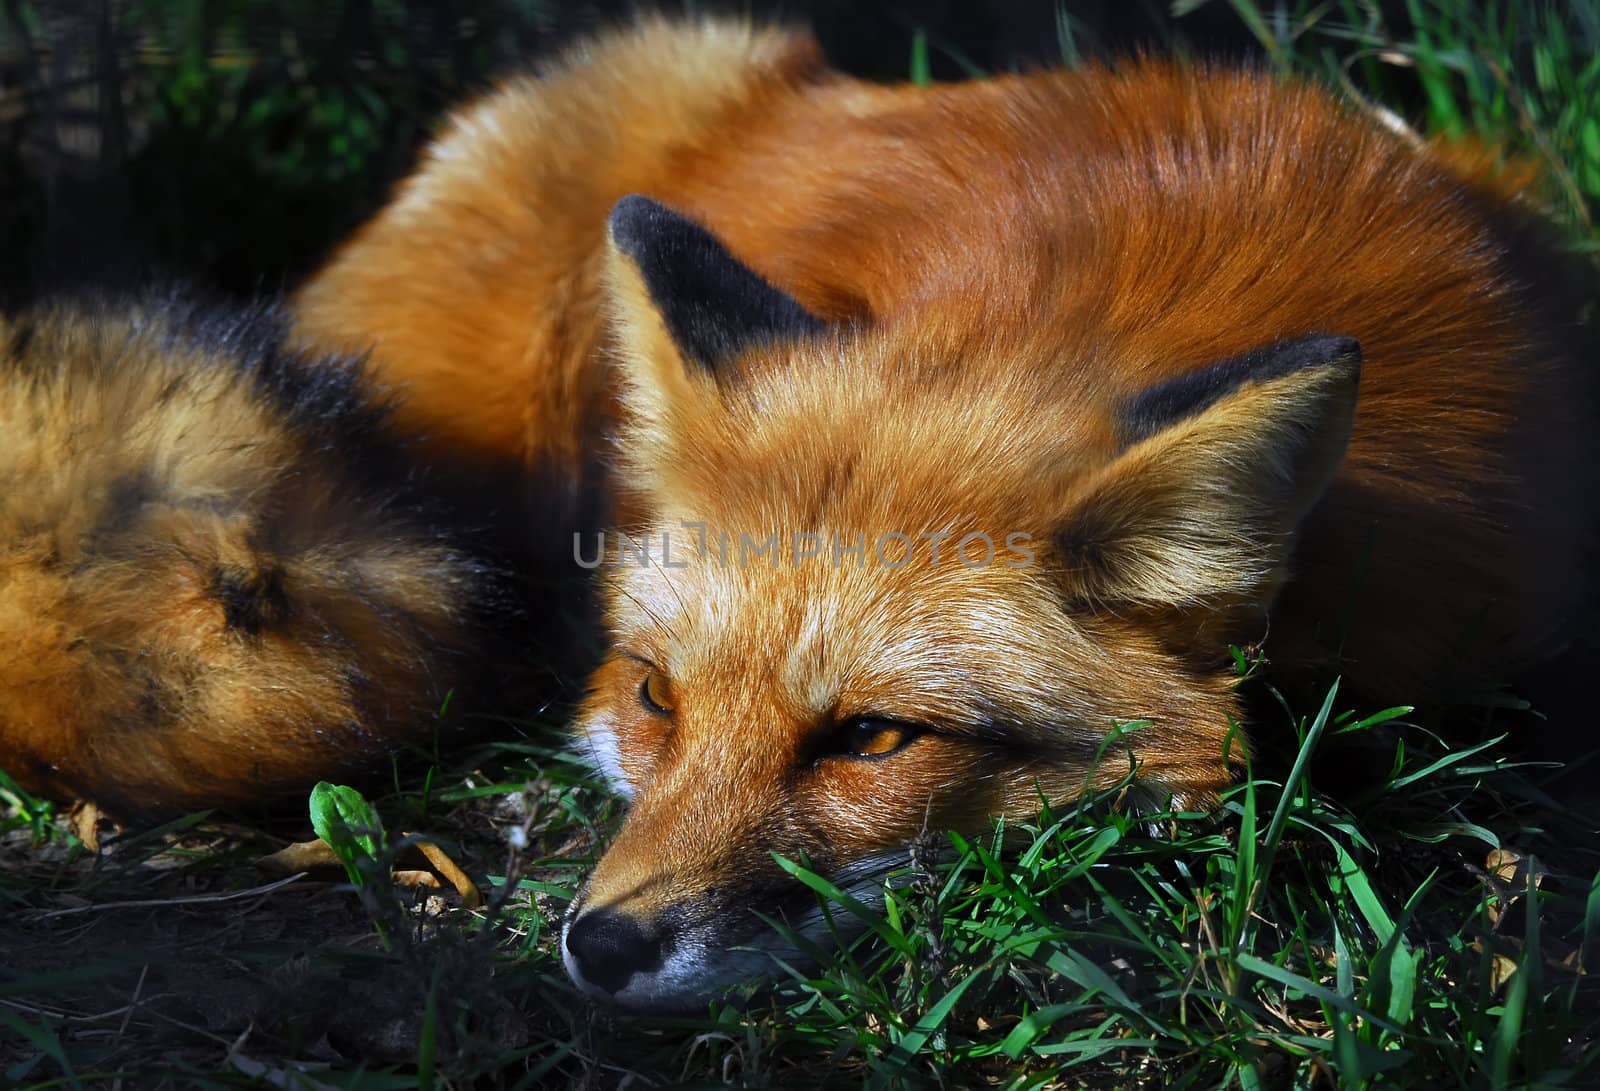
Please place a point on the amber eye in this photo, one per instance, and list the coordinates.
(655, 694)
(875, 738)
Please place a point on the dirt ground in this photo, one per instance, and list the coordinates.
(176, 953)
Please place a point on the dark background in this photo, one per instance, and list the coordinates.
(233, 142)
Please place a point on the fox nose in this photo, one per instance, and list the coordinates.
(607, 948)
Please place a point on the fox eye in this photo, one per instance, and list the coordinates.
(654, 693)
(876, 738)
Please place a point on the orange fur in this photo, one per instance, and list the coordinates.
(1007, 266)
(479, 285)
(201, 602)
(1151, 220)
(1010, 262)
(1018, 257)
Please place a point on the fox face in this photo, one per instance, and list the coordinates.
(893, 579)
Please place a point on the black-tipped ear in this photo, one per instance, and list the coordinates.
(1161, 406)
(1222, 466)
(713, 305)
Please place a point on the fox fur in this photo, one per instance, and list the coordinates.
(216, 583)
(1223, 360)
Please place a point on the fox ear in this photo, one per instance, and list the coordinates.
(1221, 466)
(683, 297)
(683, 305)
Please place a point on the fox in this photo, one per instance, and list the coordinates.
(941, 432)
(216, 576)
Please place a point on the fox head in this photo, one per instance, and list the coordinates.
(902, 576)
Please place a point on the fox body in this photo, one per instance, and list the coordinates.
(215, 578)
(961, 425)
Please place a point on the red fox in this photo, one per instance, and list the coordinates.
(952, 427)
(216, 576)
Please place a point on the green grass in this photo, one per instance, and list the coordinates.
(1373, 906)
(1428, 926)
(1526, 76)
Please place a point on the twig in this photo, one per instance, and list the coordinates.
(199, 899)
(133, 1001)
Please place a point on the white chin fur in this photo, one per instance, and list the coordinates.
(601, 739)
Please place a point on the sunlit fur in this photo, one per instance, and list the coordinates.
(1012, 261)
(1007, 265)
(214, 585)
(479, 284)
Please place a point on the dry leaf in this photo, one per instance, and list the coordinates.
(1511, 867)
(300, 856)
(415, 877)
(84, 820)
(447, 867)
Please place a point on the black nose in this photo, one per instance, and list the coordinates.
(611, 947)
